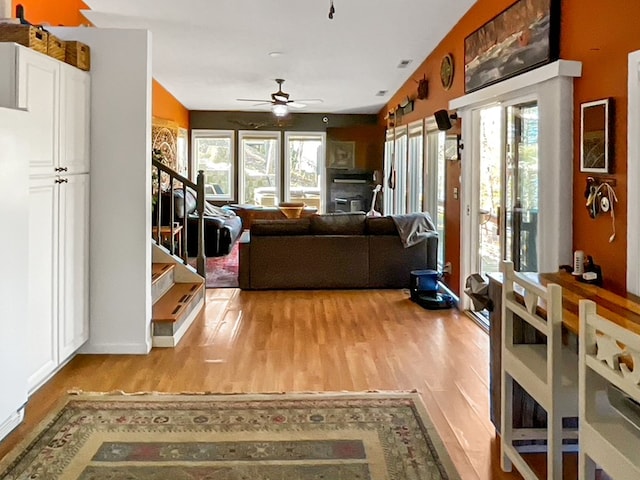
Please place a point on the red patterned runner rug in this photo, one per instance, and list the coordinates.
(370, 436)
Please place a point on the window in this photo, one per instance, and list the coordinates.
(259, 166)
(213, 153)
(400, 192)
(436, 185)
(389, 154)
(304, 164)
(415, 169)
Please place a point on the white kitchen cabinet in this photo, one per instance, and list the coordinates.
(37, 89)
(58, 272)
(42, 316)
(58, 96)
(75, 100)
(73, 264)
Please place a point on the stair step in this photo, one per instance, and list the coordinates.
(174, 304)
(162, 279)
(158, 270)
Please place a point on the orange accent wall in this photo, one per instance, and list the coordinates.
(600, 37)
(55, 13)
(167, 107)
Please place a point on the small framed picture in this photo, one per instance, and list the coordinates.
(341, 155)
(595, 136)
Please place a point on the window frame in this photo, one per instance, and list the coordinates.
(415, 168)
(210, 133)
(430, 184)
(261, 135)
(322, 136)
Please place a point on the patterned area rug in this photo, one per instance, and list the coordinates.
(372, 436)
(222, 272)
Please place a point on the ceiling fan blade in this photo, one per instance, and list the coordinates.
(252, 100)
(310, 101)
(296, 104)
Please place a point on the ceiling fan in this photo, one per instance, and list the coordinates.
(280, 101)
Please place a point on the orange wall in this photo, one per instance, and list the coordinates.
(67, 13)
(369, 148)
(600, 37)
(166, 106)
(58, 12)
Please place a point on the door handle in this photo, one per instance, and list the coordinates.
(62, 180)
(498, 220)
(61, 169)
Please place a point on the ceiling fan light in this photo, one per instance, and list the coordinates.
(279, 109)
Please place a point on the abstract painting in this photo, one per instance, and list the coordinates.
(522, 37)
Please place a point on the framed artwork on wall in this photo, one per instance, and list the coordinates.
(595, 136)
(341, 155)
(521, 38)
(164, 137)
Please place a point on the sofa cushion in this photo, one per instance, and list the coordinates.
(381, 226)
(180, 202)
(338, 224)
(278, 228)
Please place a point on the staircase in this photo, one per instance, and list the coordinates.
(178, 297)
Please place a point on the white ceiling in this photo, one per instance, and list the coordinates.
(208, 53)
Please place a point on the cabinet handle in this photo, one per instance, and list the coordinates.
(62, 180)
(61, 169)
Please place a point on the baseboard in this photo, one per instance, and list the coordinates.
(10, 423)
(115, 348)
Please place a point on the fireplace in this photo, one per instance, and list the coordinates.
(349, 190)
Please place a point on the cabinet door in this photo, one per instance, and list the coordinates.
(73, 276)
(74, 119)
(42, 324)
(38, 91)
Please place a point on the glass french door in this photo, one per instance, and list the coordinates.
(507, 187)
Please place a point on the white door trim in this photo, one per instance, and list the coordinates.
(552, 86)
(633, 174)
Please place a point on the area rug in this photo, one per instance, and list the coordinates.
(222, 272)
(371, 436)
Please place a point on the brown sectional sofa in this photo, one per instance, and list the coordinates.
(330, 251)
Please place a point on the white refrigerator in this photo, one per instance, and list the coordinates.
(14, 215)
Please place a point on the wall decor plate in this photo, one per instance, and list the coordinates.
(446, 71)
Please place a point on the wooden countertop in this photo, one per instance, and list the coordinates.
(623, 310)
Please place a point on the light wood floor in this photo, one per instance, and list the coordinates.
(314, 341)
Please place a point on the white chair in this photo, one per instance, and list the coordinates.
(548, 371)
(609, 397)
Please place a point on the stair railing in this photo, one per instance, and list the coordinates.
(198, 188)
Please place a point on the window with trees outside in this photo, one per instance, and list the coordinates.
(213, 153)
(259, 167)
(304, 164)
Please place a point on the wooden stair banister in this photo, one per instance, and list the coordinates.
(198, 187)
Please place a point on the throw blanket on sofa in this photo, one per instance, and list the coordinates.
(413, 228)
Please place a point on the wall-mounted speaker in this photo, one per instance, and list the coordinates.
(443, 119)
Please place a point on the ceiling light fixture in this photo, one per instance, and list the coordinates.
(275, 54)
(279, 109)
